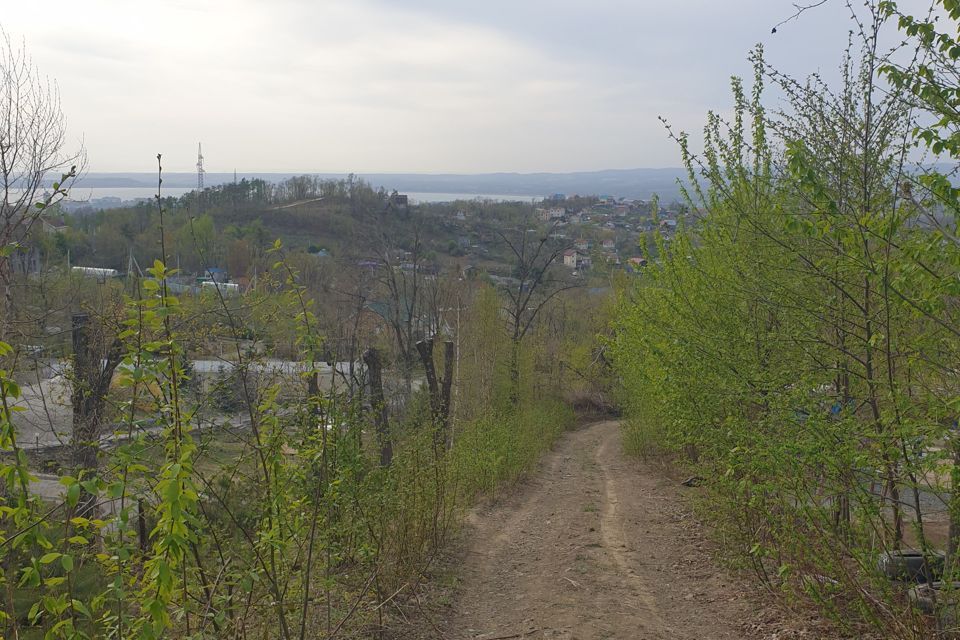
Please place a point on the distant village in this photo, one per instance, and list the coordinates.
(603, 232)
(600, 230)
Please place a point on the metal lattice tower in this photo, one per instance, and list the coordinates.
(200, 171)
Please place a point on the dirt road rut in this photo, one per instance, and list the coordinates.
(593, 547)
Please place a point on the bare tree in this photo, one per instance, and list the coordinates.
(344, 322)
(537, 285)
(32, 150)
(402, 280)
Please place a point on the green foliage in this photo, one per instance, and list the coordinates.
(276, 519)
(502, 447)
(794, 348)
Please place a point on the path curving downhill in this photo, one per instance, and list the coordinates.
(595, 546)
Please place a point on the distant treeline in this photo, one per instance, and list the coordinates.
(228, 225)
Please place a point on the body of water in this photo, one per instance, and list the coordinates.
(79, 195)
(450, 197)
(127, 195)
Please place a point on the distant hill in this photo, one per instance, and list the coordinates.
(626, 183)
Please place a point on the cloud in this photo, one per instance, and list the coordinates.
(418, 85)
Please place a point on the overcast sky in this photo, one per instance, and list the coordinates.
(451, 86)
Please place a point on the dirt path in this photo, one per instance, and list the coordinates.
(594, 546)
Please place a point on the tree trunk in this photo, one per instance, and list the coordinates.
(439, 388)
(953, 536)
(6, 297)
(142, 535)
(92, 373)
(515, 373)
(445, 387)
(371, 357)
(84, 437)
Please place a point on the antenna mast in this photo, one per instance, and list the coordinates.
(200, 170)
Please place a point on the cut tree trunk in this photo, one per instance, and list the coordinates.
(439, 388)
(92, 373)
(371, 357)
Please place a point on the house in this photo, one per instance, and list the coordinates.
(397, 203)
(214, 274)
(609, 244)
(634, 265)
(53, 224)
(576, 260)
(553, 213)
(582, 244)
(225, 289)
(97, 273)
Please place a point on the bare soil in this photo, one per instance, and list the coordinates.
(598, 545)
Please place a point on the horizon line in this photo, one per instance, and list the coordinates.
(396, 173)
